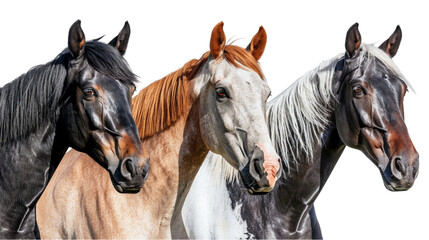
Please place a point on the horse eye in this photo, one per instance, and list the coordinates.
(358, 90)
(89, 92)
(221, 92)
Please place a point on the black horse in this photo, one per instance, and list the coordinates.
(354, 100)
(81, 99)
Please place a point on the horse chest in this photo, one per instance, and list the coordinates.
(165, 216)
(163, 227)
(165, 221)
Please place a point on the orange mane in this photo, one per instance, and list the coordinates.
(163, 102)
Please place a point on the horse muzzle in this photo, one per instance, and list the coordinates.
(127, 178)
(260, 173)
(401, 172)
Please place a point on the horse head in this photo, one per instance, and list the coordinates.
(370, 111)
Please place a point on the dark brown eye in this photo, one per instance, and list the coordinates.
(89, 92)
(221, 93)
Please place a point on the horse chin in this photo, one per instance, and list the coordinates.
(252, 186)
(261, 191)
(120, 188)
(389, 187)
(395, 186)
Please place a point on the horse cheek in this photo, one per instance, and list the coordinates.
(348, 126)
(94, 111)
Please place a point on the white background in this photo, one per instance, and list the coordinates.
(166, 34)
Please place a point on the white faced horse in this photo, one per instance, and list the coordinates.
(356, 100)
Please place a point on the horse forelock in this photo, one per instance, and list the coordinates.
(240, 57)
(371, 51)
(107, 60)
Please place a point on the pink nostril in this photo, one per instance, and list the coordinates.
(271, 164)
(271, 168)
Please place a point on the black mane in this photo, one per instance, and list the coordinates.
(33, 99)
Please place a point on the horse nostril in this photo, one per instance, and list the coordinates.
(128, 170)
(399, 165)
(257, 162)
(397, 169)
(416, 166)
(145, 170)
(130, 167)
(415, 172)
(259, 168)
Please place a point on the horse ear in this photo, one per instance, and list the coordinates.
(391, 45)
(257, 45)
(217, 40)
(76, 40)
(353, 40)
(120, 42)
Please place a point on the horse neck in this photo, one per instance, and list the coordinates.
(30, 108)
(308, 173)
(20, 195)
(176, 155)
(298, 116)
(177, 151)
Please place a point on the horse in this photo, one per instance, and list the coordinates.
(215, 103)
(81, 99)
(354, 99)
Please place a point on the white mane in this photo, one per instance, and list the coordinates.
(298, 116)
